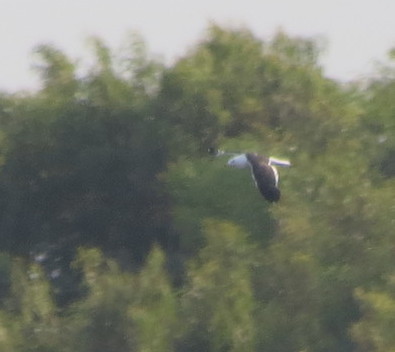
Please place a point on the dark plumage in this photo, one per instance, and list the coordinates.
(263, 172)
(265, 177)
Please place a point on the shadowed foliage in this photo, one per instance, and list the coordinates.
(119, 232)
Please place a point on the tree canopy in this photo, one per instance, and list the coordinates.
(119, 232)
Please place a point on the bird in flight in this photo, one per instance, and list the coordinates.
(263, 170)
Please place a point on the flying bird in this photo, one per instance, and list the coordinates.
(263, 170)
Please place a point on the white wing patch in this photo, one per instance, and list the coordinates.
(279, 162)
(253, 177)
(275, 174)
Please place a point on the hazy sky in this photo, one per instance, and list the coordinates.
(359, 32)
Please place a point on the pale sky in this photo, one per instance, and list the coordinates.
(359, 32)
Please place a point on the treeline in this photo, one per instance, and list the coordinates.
(118, 232)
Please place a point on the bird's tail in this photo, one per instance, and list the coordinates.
(274, 194)
(271, 194)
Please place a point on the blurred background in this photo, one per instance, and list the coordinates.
(118, 230)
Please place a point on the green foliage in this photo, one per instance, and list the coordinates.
(208, 188)
(57, 73)
(208, 93)
(154, 312)
(218, 302)
(100, 321)
(82, 171)
(30, 322)
(375, 331)
(234, 83)
(184, 253)
(378, 119)
(124, 311)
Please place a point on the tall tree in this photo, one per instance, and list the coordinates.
(81, 164)
(219, 300)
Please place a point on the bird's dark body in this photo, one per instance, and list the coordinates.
(264, 176)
